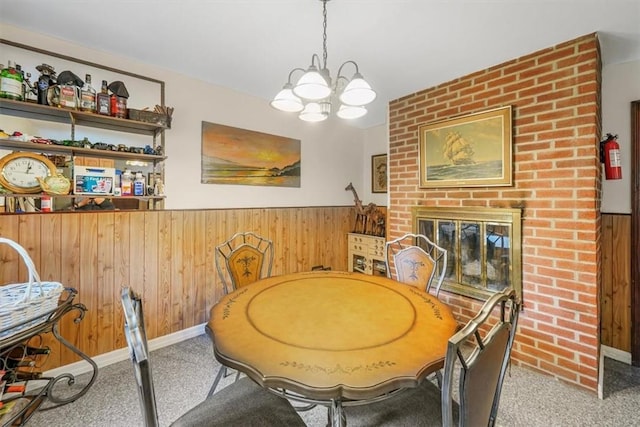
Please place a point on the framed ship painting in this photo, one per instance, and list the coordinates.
(243, 157)
(468, 151)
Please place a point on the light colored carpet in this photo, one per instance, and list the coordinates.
(184, 372)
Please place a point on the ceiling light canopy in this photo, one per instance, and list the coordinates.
(313, 93)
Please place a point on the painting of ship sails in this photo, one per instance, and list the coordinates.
(469, 151)
(243, 157)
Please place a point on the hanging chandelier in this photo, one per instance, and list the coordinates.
(313, 94)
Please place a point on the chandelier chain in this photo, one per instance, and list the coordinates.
(324, 33)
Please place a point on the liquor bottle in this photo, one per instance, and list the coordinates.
(88, 96)
(103, 103)
(31, 93)
(11, 83)
(118, 106)
(45, 80)
(23, 91)
(22, 351)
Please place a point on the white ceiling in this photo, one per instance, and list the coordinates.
(401, 46)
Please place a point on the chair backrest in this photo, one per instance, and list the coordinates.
(417, 261)
(481, 349)
(136, 336)
(243, 259)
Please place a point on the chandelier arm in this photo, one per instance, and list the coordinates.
(345, 63)
(293, 71)
(313, 59)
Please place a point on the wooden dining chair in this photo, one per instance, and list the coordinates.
(481, 351)
(242, 402)
(243, 259)
(417, 261)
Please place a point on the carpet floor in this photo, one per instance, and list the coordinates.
(184, 372)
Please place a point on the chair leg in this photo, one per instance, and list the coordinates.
(439, 379)
(222, 371)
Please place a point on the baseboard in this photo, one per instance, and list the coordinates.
(616, 354)
(119, 355)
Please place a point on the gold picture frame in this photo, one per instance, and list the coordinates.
(238, 156)
(470, 151)
(379, 173)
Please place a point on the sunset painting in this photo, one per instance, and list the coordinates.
(238, 156)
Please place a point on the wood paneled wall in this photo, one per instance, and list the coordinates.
(615, 292)
(166, 256)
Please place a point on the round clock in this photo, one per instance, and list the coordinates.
(19, 171)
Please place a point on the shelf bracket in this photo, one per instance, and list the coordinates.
(73, 126)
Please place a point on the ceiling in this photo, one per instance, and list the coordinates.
(401, 46)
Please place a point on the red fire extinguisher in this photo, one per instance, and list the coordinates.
(610, 156)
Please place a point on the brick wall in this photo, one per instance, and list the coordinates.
(555, 95)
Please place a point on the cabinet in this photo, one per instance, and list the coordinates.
(33, 390)
(366, 254)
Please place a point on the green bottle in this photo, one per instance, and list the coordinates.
(11, 83)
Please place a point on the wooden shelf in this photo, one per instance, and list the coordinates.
(61, 115)
(76, 151)
(73, 118)
(71, 196)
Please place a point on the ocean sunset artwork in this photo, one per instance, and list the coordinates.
(473, 150)
(243, 157)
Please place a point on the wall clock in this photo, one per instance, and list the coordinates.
(19, 171)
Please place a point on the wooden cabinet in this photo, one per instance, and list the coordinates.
(366, 254)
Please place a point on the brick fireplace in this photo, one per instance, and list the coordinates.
(555, 96)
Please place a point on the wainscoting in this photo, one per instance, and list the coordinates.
(167, 256)
(615, 290)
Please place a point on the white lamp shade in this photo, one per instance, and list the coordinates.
(351, 112)
(312, 86)
(357, 92)
(286, 100)
(315, 112)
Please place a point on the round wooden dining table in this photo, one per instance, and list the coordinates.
(332, 337)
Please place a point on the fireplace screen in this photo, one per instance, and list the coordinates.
(483, 247)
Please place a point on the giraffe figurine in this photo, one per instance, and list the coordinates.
(362, 212)
(360, 222)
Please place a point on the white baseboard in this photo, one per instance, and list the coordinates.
(615, 354)
(119, 355)
(611, 353)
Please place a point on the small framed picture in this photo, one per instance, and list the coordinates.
(379, 173)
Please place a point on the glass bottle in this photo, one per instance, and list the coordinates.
(11, 82)
(31, 93)
(23, 91)
(45, 80)
(103, 103)
(88, 96)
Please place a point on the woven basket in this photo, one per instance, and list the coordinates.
(24, 305)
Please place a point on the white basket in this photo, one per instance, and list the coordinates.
(24, 305)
